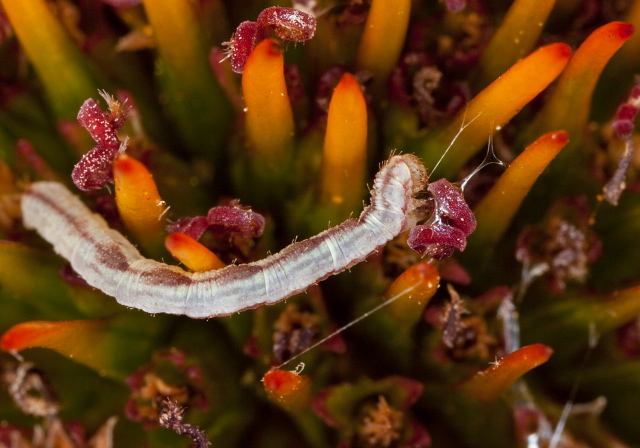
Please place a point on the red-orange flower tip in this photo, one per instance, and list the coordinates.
(348, 81)
(563, 50)
(624, 30)
(56, 335)
(560, 137)
(17, 338)
(290, 390)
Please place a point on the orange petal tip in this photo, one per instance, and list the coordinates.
(561, 137)
(126, 166)
(419, 280)
(290, 390)
(563, 50)
(490, 384)
(348, 81)
(624, 30)
(16, 338)
(56, 335)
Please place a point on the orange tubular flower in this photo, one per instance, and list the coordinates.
(495, 106)
(570, 104)
(345, 147)
(497, 208)
(514, 39)
(85, 341)
(490, 384)
(96, 343)
(289, 390)
(56, 335)
(383, 37)
(191, 253)
(415, 286)
(66, 76)
(196, 100)
(139, 203)
(269, 119)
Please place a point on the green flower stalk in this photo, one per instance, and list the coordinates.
(384, 33)
(65, 73)
(194, 98)
(520, 28)
(500, 307)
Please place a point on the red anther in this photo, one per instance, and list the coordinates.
(437, 241)
(451, 207)
(194, 227)
(288, 23)
(94, 120)
(241, 44)
(95, 168)
(235, 220)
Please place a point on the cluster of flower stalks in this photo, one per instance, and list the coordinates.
(213, 133)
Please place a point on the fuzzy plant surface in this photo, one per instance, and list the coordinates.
(154, 152)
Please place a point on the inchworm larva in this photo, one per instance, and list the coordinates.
(109, 262)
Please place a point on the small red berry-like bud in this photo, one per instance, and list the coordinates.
(623, 128)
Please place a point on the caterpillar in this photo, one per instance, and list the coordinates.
(106, 260)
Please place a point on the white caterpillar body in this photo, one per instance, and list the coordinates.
(109, 262)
